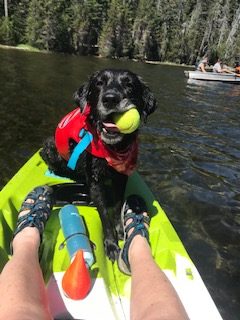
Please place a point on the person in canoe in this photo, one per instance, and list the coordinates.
(219, 68)
(237, 68)
(21, 280)
(202, 64)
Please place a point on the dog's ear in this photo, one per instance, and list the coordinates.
(149, 101)
(81, 95)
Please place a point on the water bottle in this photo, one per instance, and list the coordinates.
(74, 232)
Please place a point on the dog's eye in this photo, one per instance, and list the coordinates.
(99, 83)
(127, 83)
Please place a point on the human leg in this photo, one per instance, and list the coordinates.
(21, 280)
(152, 295)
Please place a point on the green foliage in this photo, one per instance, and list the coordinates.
(47, 25)
(146, 31)
(19, 17)
(115, 39)
(85, 24)
(166, 30)
(6, 31)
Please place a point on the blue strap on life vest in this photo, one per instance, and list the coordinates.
(86, 139)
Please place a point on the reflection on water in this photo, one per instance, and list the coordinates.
(189, 152)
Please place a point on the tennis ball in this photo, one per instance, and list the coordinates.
(128, 121)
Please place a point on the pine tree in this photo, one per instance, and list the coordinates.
(6, 31)
(86, 23)
(166, 30)
(19, 18)
(46, 25)
(116, 38)
(145, 31)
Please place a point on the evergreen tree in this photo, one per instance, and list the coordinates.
(86, 24)
(145, 31)
(233, 39)
(6, 31)
(166, 30)
(46, 25)
(116, 39)
(19, 18)
(194, 29)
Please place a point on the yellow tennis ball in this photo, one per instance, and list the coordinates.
(128, 121)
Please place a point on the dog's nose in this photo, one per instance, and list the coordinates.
(111, 98)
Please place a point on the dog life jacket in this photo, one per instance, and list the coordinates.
(75, 126)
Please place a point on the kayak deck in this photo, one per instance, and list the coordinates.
(111, 288)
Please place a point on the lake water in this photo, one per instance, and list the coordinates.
(189, 152)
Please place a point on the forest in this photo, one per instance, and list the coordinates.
(176, 31)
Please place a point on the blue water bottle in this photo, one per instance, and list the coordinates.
(74, 232)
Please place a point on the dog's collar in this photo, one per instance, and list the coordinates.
(76, 127)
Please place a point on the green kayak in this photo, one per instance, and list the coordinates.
(110, 292)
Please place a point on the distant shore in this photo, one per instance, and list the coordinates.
(26, 47)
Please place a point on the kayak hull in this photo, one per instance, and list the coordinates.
(111, 288)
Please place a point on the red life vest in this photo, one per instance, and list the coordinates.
(69, 128)
(237, 70)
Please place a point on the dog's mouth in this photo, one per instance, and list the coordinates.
(109, 131)
(110, 127)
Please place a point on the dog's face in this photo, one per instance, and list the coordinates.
(114, 91)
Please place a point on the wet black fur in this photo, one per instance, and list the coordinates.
(107, 91)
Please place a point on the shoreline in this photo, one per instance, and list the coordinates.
(28, 48)
(24, 47)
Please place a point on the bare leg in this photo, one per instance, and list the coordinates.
(22, 282)
(152, 294)
(23, 293)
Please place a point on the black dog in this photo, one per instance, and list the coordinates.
(107, 92)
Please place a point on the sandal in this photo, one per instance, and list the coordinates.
(133, 208)
(40, 208)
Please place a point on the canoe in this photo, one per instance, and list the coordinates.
(110, 293)
(212, 76)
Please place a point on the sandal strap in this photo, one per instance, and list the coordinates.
(138, 221)
(34, 195)
(40, 210)
(135, 209)
(137, 224)
(36, 218)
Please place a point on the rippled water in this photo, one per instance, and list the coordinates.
(189, 152)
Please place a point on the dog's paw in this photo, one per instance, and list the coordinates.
(111, 249)
(120, 231)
